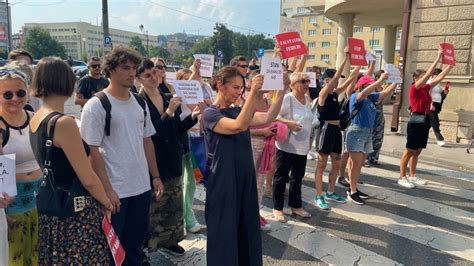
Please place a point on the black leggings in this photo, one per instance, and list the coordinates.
(434, 121)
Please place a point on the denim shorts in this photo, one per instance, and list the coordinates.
(359, 139)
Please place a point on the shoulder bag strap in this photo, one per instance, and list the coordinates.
(49, 141)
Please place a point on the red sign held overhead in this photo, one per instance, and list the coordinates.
(357, 52)
(291, 44)
(448, 54)
(114, 243)
(3, 33)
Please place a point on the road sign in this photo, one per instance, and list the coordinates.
(260, 52)
(220, 55)
(107, 40)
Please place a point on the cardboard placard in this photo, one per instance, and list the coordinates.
(8, 175)
(170, 76)
(291, 44)
(448, 54)
(357, 52)
(207, 64)
(272, 72)
(394, 75)
(189, 90)
(312, 78)
(114, 243)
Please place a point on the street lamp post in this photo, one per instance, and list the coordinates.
(141, 27)
(84, 40)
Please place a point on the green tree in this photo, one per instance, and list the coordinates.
(222, 40)
(41, 44)
(136, 42)
(159, 52)
(205, 46)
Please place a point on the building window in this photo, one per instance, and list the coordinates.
(311, 57)
(311, 45)
(326, 20)
(326, 31)
(375, 29)
(312, 20)
(358, 29)
(301, 10)
(325, 57)
(312, 33)
(373, 42)
(399, 34)
(326, 44)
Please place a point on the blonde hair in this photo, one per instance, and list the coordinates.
(155, 60)
(180, 74)
(23, 67)
(297, 76)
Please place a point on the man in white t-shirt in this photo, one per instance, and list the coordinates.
(437, 96)
(125, 159)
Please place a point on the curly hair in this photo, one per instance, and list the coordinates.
(119, 55)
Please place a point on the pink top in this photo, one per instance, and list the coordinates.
(263, 110)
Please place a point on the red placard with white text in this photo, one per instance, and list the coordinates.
(291, 44)
(357, 52)
(114, 243)
(448, 54)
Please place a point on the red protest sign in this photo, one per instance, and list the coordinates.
(448, 54)
(114, 243)
(291, 44)
(357, 52)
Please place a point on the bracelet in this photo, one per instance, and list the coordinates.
(156, 177)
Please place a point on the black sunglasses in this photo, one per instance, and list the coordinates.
(160, 67)
(8, 95)
(303, 81)
(243, 66)
(95, 66)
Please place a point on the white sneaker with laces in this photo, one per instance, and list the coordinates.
(196, 228)
(405, 183)
(441, 143)
(416, 180)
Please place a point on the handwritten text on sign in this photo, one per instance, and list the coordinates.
(357, 52)
(312, 79)
(189, 90)
(272, 73)
(207, 64)
(7, 175)
(114, 243)
(448, 54)
(394, 75)
(291, 44)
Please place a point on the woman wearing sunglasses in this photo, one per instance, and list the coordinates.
(160, 67)
(14, 127)
(291, 153)
(166, 214)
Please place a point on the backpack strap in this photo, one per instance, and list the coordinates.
(142, 103)
(49, 141)
(104, 100)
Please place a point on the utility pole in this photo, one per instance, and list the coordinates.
(105, 20)
(9, 36)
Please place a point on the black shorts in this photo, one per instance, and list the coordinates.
(417, 135)
(330, 139)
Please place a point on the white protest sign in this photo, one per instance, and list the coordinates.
(8, 175)
(312, 78)
(394, 75)
(207, 64)
(272, 74)
(189, 90)
(370, 57)
(170, 76)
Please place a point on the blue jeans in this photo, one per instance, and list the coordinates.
(359, 139)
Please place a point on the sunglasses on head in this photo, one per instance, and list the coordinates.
(160, 67)
(303, 81)
(95, 66)
(8, 95)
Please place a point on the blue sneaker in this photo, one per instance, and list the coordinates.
(321, 203)
(334, 197)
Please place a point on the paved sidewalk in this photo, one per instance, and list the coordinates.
(452, 155)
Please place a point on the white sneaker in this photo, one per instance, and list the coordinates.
(416, 180)
(441, 143)
(312, 155)
(195, 229)
(405, 183)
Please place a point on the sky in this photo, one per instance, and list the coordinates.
(159, 17)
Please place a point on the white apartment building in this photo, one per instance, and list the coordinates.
(82, 38)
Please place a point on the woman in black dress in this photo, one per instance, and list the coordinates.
(166, 214)
(232, 215)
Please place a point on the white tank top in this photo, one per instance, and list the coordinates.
(18, 142)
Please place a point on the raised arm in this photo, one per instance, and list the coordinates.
(370, 70)
(196, 75)
(388, 90)
(228, 126)
(351, 87)
(302, 62)
(334, 81)
(293, 63)
(422, 81)
(441, 76)
(277, 52)
(367, 91)
(267, 117)
(352, 77)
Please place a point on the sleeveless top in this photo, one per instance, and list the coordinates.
(17, 141)
(331, 108)
(62, 169)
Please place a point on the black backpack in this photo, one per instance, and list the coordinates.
(345, 116)
(104, 100)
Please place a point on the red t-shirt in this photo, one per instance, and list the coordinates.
(420, 100)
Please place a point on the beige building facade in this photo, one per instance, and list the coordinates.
(82, 38)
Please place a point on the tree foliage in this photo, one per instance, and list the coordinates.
(136, 42)
(39, 43)
(159, 52)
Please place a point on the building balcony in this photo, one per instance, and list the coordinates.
(367, 12)
(314, 5)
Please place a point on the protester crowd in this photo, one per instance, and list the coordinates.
(134, 159)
